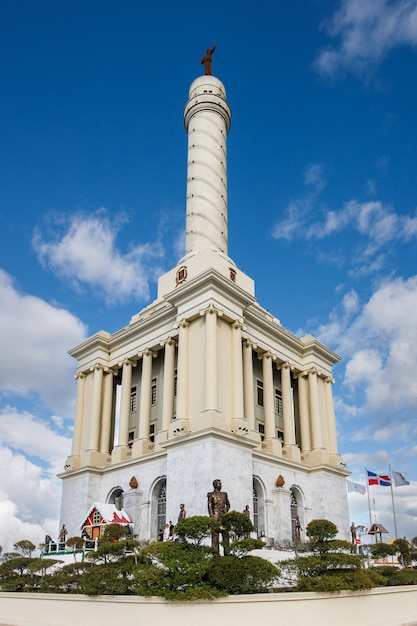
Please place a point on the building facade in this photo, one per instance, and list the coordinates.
(205, 384)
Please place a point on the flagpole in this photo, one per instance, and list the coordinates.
(369, 502)
(393, 507)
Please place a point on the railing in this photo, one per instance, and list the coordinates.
(55, 547)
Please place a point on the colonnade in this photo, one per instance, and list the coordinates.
(310, 407)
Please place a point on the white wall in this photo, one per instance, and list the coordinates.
(394, 606)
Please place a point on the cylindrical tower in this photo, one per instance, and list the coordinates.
(207, 119)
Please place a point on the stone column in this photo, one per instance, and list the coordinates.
(107, 412)
(318, 454)
(168, 388)
(271, 442)
(120, 452)
(305, 435)
(96, 408)
(334, 456)
(141, 445)
(249, 397)
(211, 359)
(290, 448)
(74, 460)
(181, 425)
(239, 424)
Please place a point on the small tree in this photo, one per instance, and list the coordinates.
(197, 528)
(24, 547)
(321, 532)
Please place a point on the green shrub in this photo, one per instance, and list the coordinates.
(250, 574)
(338, 581)
(406, 576)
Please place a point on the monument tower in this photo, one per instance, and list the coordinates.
(205, 384)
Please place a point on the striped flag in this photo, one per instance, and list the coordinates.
(378, 479)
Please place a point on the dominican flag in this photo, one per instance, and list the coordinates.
(377, 479)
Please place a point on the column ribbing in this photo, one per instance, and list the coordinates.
(331, 418)
(168, 388)
(287, 408)
(304, 413)
(211, 359)
(182, 371)
(96, 408)
(106, 422)
(248, 384)
(268, 382)
(145, 395)
(79, 414)
(237, 373)
(317, 439)
(123, 439)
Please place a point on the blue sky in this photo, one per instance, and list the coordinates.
(322, 157)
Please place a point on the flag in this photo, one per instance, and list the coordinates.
(377, 479)
(399, 479)
(355, 487)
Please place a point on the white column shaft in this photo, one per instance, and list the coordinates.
(305, 434)
(287, 407)
(145, 395)
(123, 439)
(79, 415)
(317, 439)
(331, 418)
(96, 408)
(269, 410)
(211, 360)
(168, 388)
(249, 396)
(182, 371)
(237, 371)
(106, 421)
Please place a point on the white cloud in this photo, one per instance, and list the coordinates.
(376, 340)
(365, 32)
(29, 501)
(86, 254)
(35, 337)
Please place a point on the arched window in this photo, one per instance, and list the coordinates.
(294, 514)
(255, 510)
(162, 506)
(116, 497)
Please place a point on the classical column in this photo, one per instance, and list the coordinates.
(331, 424)
(106, 422)
(168, 387)
(305, 435)
(96, 408)
(237, 372)
(248, 385)
(119, 452)
(211, 359)
(269, 408)
(287, 408)
(317, 439)
(145, 395)
(182, 371)
(79, 414)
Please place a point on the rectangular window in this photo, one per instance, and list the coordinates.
(261, 429)
(260, 392)
(278, 402)
(280, 435)
(152, 432)
(131, 438)
(133, 399)
(153, 391)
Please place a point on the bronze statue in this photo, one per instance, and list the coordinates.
(206, 60)
(183, 513)
(218, 504)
